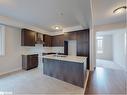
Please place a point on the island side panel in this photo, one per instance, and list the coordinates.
(70, 72)
(73, 73)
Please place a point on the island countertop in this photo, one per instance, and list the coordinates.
(78, 59)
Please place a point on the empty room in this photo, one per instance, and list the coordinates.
(63, 47)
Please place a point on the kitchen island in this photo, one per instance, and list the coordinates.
(71, 69)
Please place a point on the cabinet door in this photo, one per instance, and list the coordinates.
(55, 41)
(83, 44)
(47, 40)
(82, 35)
(70, 36)
(58, 40)
(33, 61)
(27, 37)
(29, 61)
(82, 49)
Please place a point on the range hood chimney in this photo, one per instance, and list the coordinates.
(39, 38)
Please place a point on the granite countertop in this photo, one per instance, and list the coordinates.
(70, 58)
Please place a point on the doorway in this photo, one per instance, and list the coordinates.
(111, 49)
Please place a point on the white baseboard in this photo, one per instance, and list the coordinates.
(86, 80)
(8, 72)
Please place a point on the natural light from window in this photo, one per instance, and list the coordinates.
(99, 44)
(2, 40)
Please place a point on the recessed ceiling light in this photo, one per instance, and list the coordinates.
(57, 27)
(120, 10)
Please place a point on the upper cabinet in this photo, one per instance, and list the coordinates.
(47, 40)
(70, 36)
(83, 43)
(82, 35)
(58, 40)
(28, 37)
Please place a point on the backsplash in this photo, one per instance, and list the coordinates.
(39, 49)
(58, 49)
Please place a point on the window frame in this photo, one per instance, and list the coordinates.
(99, 40)
(2, 30)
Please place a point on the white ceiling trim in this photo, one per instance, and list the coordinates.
(68, 29)
(107, 27)
(15, 23)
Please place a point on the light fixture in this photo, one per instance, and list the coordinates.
(120, 10)
(57, 27)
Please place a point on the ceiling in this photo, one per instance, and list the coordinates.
(67, 13)
(103, 11)
(46, 13)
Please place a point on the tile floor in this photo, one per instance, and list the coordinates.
(35, 83)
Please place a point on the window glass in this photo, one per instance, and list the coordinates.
(99, 44)
(2, 40)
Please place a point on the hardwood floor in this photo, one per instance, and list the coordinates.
(107, 81)
(108, 64)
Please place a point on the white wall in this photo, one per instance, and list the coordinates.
(1, 40)
(119, 51)
(12, 59)
(107, 48)
(5, 20)
(95, 29)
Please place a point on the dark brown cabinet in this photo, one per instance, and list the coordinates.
(82, 38)
(29, 61)
(83, 43)
(28, 37)
(47, 40)
(70, 36)
(82, 35)
(82, 49)
(58, 40)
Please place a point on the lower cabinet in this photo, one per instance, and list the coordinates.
(70, 72)
(29, 61)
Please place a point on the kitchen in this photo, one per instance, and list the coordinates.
(49, 46)
(29, 56)
(31, 38)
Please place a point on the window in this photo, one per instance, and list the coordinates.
(2, 40)
(99, 44)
